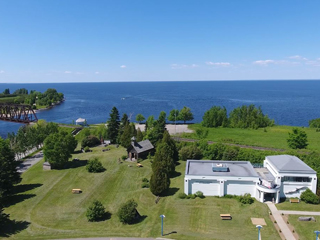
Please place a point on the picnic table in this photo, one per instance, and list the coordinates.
(294, 200)
(76, 191)
(225, 216)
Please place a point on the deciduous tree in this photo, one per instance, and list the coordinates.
(297, 139)
(185, 114)
(174, 115)
(140, 118)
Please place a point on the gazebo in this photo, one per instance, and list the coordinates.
(81, 121)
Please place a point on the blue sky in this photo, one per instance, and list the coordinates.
(142, 40)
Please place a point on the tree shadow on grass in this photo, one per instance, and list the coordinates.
(25, 187)
(12, 227)
(170, 233)
(139, 219)
(175, 174)
(14, 199)
(170, 192)
(75, 164)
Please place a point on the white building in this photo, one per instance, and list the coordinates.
(281, 176)
(81, 121)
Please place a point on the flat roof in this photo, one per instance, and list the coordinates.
(204, 168)
(288, 163)
(265, 174)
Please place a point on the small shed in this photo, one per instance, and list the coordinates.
(46, 166)
(81, 121)
(139, 149)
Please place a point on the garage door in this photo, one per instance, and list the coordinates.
(209, 188)
(240, 188)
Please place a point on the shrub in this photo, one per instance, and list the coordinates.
(199, 194)
(90, 141)
(145, 180)
(128, 213)
(124, 157)
(95, 212)
(182, 195)
(246, 199)
(190, 152)
(86, 149)
(191, 196)
(309, 197)
(95, 166)
(298, 139)
(145, 185)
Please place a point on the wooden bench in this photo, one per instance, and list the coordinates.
(225, 216)
(294, 200)
(76, 191)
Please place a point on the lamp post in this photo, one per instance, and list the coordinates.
(317, 232)
(259, 227)
(162, 217)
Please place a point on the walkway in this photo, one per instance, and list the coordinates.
(282, 225)
(29, 162)
(299, 212)
(117, 238)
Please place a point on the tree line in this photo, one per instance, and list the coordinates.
(34, 98)
(241, 117)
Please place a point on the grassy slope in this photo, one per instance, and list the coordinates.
(274, 137)
(304, 229)
(56, 213)
(302, 206)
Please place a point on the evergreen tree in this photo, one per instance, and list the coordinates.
(8, 172)
(139, 135)
(125, 139)
(159, 182)
(155, 134)
(113, 125)
(149, 123)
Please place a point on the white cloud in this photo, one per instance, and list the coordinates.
(222, 64)
(314, 63)
(67, 72)
(79, 73)
(123, 66)
(264, 62)
(298, 57)
(1, 71)
(97, 72)
(179, 66)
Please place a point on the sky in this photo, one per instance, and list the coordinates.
(167, 40)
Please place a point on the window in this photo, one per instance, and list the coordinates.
(295, 179)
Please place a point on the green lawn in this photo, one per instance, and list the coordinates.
(273, 137)
(46, 208)
(305, 229)
(302, 206)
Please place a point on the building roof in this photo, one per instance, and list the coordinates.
(142, 146)
(204, 168)
(265, 174)
(288, 163)
(80, 120)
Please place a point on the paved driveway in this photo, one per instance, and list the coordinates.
(29, 162)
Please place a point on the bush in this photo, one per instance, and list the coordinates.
(145, 180)
(246, 199)
(200, 194)
(124, 157)
(190, 152)
(309, 197)
(314, 123)
(90, 141)
(95, 166)
(298, 139)
(182, 195)
(86, 149)
(191, 196)
(145, 185)
(128, 213)
(95, 212)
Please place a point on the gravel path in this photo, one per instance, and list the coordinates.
(288, 212)
(172, 128)
(29, 162)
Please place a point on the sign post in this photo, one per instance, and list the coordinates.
(162, 217)
(259, 227)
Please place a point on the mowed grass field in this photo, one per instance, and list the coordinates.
(304, 229)
(50, 211)
(270, 137)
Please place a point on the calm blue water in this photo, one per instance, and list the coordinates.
(287, 102)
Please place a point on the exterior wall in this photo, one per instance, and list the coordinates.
(220, 186)
(291, 189)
